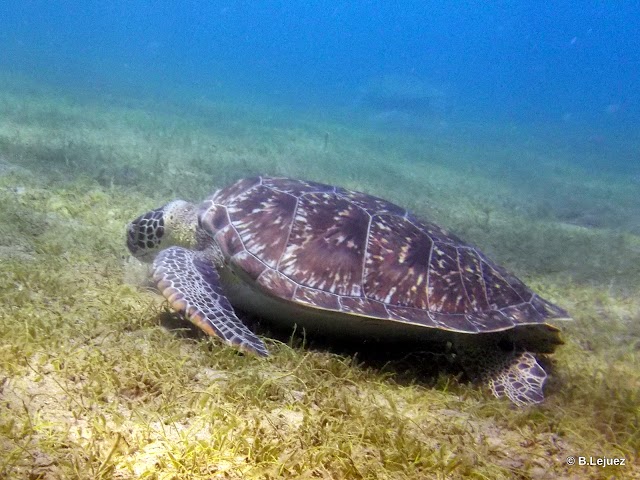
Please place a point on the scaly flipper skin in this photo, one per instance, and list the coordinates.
(515, 375)
(520, 378)
(191, 284)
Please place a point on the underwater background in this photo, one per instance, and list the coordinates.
(512, 124)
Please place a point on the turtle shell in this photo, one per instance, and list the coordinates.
(329, 248)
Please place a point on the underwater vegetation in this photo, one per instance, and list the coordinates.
(98, 379)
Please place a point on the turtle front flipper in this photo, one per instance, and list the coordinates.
(191, 284)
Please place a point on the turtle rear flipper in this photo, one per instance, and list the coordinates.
(191, 284)
(515, 375)
(520, 377)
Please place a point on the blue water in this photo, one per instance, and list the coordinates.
(573, 62)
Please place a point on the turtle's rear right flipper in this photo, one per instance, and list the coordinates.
(191, 284)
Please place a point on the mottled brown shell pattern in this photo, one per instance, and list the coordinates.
(330, 248)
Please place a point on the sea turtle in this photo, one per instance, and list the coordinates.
(329, 259)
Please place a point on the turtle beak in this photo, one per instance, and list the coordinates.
(131, 238)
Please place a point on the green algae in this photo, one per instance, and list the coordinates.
(94, 385)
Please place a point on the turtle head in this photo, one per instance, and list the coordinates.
(173, 224)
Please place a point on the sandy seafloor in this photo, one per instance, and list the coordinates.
(98, 380)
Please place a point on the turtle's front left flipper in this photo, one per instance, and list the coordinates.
(191, 284)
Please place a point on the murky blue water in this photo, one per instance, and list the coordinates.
(572, 60)
(567, 73)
